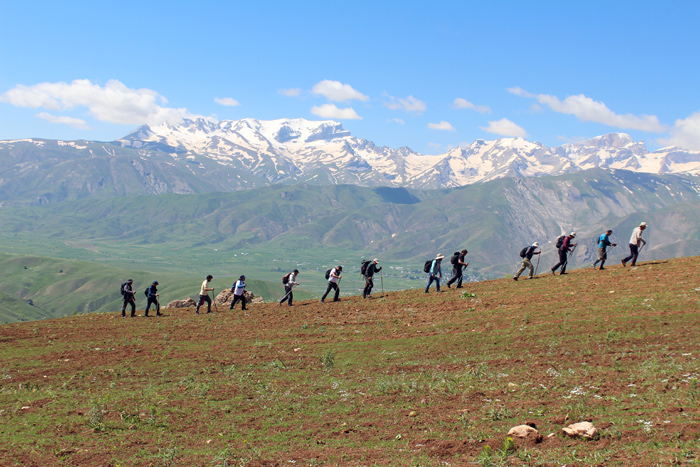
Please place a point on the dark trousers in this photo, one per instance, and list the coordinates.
(200, 302)
(433, 278)
(456, 276)
(369, 283)
(634, 252)
(288, 295)
(562, 261)
(236, 299)
(154, 302)
(332, 285)
(129, 300)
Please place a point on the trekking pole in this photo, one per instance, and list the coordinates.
(215, 308)
(285, 296)
(381, 277)
(538, 262)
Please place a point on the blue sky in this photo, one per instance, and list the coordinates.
(428, 75)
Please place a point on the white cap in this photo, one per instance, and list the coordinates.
(535, 244)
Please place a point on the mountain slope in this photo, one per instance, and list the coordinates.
(201, 156)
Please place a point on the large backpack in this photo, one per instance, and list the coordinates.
(455, 258)
(328, 273)
(363, 267)
(523, 252)
(428, 264)
(560, 241)
(121, 289)
(285, 279)
(145, 292)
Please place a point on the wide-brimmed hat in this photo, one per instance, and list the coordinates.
(535, 244)
(643, 224)
(375, 260)
(572, 234)
(439, 256)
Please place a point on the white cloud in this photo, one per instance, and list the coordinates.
(337, 92)
(227, 101)
(333, 112)
(114, 102)
(409, 104)
(443, 125)
(397, 120)
(291, 92)
(505, 127)
(460, 103)
(587, 110)
(64, 120)
(685, 133)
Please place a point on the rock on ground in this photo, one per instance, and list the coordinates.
(525, 432)
(226, 297)
(181, 303)
(582, 429)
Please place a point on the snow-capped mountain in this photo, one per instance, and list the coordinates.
(290, 150)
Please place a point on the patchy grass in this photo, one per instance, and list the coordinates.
(412, 379)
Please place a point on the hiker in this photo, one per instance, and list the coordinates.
(435, 273)
(152, 294)
(527, 253)
(289, 281)
(635, 240)
(564, 249)
(204, 294)
(603, 244)
(458, 265)
(333, 283)
(369, 282)
(128, 294)
(238, 289)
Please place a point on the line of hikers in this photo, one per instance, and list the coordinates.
(565, 247)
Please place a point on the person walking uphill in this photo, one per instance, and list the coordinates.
(458, 265)
(128, 294)
(152, 295)
(333, 277)
(603, 244)
(204, 294)
(635, 246)
(527, 253)
(564, 249)
(435, 273)
(238, 289)
(291, 281)
(369, 273)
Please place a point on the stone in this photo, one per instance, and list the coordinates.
(525, 431)
(581, 430)
(181, 304)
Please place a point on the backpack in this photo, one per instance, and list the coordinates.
(364, 266)
(121, 289)
(523, 252)
(427, 265)
(285, 279)
(455, 258)
(560, 241)
(328, 273)
(145, 292)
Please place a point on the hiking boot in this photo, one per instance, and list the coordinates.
(515, 278)
(159, 314)
(601, 268)
(449, 286)
(459, 287)
(553, 273)
(196, 312)
(624, 263)
(322, 301)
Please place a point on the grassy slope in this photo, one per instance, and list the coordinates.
(412, 379)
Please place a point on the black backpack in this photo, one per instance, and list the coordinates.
(363, 267)
(328, 273)
(145, 292)
(560, 241)
(121, 289)
(523, 252)
(285, 279)
(427, 265)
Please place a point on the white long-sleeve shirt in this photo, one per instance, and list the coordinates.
(636, 237)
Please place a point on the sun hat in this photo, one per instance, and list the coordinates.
(375, 260)
(572, 234)
(439, 256)
(535, 244)
(643, 224)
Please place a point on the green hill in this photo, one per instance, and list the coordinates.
(407, 379)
